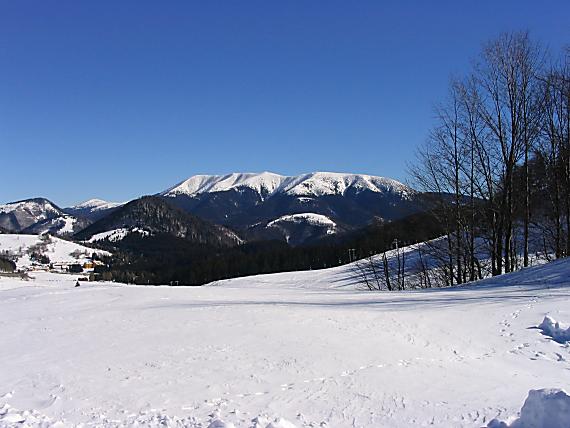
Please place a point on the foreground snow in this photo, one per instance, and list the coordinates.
(278, 350)
(542, 409)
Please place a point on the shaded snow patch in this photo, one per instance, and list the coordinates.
(551, 328)
(543, 408)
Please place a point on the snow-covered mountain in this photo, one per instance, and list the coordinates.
(264, 184)
(39, 215)
(17, 216)
(258, 205)
(267, 184)
(149, 216)
(246, 200)
(93, 209)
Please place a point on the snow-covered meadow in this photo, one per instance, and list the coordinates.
(306, 347)
(20, 247)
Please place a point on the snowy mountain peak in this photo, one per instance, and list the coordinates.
(35, 206)
(268, 183)
(333, 183)
(96, 204)
(263, 183)
(16, 216)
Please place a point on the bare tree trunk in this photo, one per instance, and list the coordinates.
(386, 271)
(526, 202)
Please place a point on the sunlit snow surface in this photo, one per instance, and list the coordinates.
(274, 346)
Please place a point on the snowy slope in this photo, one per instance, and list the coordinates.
(106, 355)
(116, 235)
(58, 250)
(346, 276)
(62, 225)
(268, 184)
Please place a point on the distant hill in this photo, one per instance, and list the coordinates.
(93, 209)
(38, 215)
(16, 216)
(151, 216)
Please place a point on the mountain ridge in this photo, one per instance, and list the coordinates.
(249, 202)
(267, 183)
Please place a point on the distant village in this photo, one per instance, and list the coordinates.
(44, 253)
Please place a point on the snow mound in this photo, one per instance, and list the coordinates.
(281, 423)
(543, 408)
(551, 327)
(218, 423)
(11, 417)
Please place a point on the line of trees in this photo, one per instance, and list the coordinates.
(496, 165)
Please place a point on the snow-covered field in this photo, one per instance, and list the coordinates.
(250, 350)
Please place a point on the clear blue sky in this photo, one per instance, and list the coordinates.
(115, 99)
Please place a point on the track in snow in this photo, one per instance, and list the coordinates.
(110, 355)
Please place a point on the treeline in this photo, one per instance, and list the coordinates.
(164, 259)
(497, 161)
(7, 265)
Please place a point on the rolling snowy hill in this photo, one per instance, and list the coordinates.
(295, 346)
